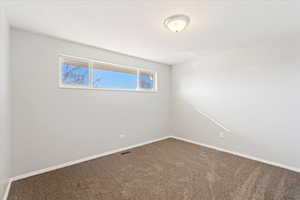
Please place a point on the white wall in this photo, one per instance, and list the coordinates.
(253, 91)
(53, 125)
(5, 106)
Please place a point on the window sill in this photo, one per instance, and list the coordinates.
(107, 89)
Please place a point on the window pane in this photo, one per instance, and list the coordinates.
(146, 80)
(75, 73)
(108, 76)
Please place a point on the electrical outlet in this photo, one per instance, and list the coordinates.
(122, 136)
(221, 134)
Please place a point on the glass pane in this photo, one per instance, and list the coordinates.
(146, 80)
(75, 73)
(111, 77)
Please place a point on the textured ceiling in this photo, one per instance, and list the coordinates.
(135, 27)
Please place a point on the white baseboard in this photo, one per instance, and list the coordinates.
(41, 171)
(7, 189)
(295, 169)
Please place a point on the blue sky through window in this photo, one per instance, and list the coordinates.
(116, 80)
(146, 81)
(75, 75)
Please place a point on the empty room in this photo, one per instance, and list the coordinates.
(149, 100)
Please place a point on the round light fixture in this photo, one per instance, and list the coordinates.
(177, 23)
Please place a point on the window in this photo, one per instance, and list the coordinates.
(75, 73)
(146, 80)
(92, 74)
(108, 76)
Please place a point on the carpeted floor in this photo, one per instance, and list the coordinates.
(165, 170)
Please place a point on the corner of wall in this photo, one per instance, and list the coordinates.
(5, 103)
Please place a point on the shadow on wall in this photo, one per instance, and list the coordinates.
(252, 90)
(192, 124)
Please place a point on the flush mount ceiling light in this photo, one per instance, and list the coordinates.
(177, 23)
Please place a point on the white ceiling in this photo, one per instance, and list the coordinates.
(135, 27)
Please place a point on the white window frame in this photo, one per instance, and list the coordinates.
(90, 85)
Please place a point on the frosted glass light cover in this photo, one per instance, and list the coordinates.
(177, 23)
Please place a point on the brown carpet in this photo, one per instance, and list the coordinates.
(165, 170)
